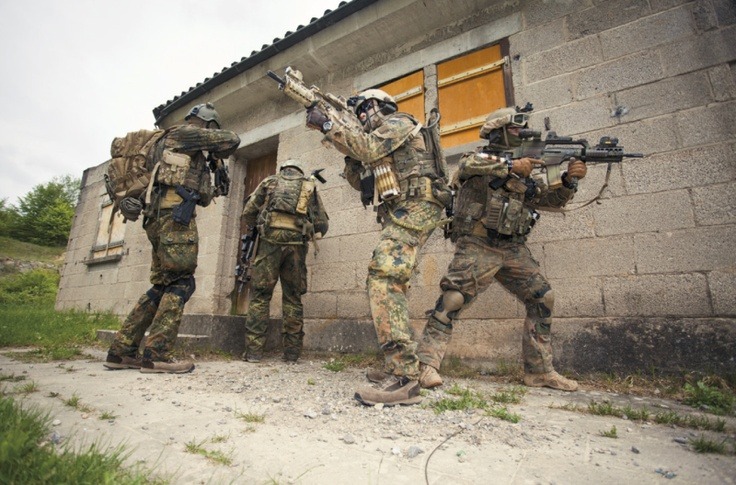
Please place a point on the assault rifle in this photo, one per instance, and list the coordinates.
(222, 177)
(554, 150)
(335, 108)
(248, 249)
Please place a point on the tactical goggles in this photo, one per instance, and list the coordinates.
(519, 119)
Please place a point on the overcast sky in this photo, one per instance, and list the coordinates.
(76, 73)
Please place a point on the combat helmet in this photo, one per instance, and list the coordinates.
(386, 102)
(501, 118)
(204, 112)
(292, 163)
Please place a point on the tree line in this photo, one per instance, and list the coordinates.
(44, 215)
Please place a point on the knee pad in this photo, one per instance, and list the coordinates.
(155, 293)
(543, 304)
(183, 288)
(447, 306)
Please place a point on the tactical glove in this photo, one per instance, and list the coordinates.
(317, 120)
(576, 169)
(523, 166)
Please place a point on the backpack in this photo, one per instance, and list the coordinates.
(127, 175)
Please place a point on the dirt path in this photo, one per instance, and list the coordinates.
(314, 432)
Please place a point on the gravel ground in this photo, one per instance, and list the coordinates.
(283, 423)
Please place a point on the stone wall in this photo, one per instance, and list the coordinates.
(645, 278)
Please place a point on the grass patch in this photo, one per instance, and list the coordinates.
(311, 382)
(511, 396)
(717, 399)
(23, 251)
(107, 416)
(503, 414)
(11, 378)
(28, 457)
(454, 367)
(27, 388)
(335, 365)
(467, 399)
(76, 403)
(701, 444)
(606, 408)
(250, 417)
(214, 456)
(611, 433)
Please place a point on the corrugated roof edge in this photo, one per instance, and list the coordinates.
(344, 9)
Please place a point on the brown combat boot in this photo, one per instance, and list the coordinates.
(551, 379)
(166, 367)
(116, 362)
(377, 376)
(429, 377)
(395, 390)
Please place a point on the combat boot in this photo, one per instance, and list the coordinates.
(551, 379)
(291, 355)
(429, 377)
(395, 390)
(166, 367)
(253, 356)
(117, 362)
(377, 376)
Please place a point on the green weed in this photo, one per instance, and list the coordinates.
(504, 414)
(250, 417)
(611, 433)
(334, 365)
(215, 456)
(25, 459)
(107, 416)
(27, 388)
(702, 444)
(711, 398)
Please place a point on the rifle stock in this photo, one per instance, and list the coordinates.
(244, 269)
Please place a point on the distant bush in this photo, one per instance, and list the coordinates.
(36, 286)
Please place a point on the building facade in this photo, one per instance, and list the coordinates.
(645, 278)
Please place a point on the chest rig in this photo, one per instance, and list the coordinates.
(287, 206)
(488, 212)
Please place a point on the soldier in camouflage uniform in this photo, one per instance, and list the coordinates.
(287, 211)
(494, 213)
(176, 162)
(411, 183)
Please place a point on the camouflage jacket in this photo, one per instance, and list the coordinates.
(192, 140)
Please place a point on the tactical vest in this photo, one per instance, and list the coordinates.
(288, 203)
(483, 211)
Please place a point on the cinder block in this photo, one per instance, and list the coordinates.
(646, 32)
(621, 73)
(580, 117)
(353, 305)
(543, 37)
(333, 276)
(320, 305)
(563, 59)
(721, 285)
(691, 54)
(536, 13)
(657, 295)
(723, 80)
(497, 340)
(604, 16)
(358, 247)
(590, 257)
(708, 248)
(548, 93)
(662, 211)
(699, 167)
(666, 96)
(710, 124)
(577, 297)
(342, 223)
(715, 204)
(725, 11)
(576, 224)
(495, 302)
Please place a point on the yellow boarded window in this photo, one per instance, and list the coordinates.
(469, 88)
(409, 94)
(110, 232)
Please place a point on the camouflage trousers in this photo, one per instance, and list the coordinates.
(475, 265)
(393, 263)
(277, 259)
(173, 261)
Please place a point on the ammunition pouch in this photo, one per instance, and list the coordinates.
(174, 168)
(168, 197)
(507, 216)
(282, 220)
(421, 188)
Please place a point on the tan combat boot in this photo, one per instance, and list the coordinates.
(429, 377)
(166, 367)
(116, 362)
(377, 376)
(550, 379)
(395, 390)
